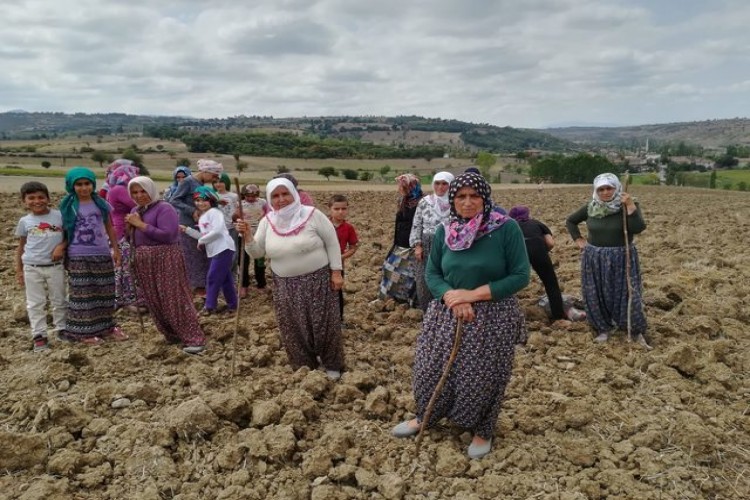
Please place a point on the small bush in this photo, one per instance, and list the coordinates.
(742, 186)
(46, 164)
(282, 169)
(349, 174)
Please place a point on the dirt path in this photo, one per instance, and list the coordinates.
(141, 420)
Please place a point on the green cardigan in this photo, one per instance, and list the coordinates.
(605, 231)
(498, 259)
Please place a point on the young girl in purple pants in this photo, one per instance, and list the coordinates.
(220, 249)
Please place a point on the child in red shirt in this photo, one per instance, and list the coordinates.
(338, 210)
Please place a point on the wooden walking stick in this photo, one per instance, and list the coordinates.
(441, 383)
(239, 281)
(627, 253)
(134, 269)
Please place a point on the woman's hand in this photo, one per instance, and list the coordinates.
(581, 242)
(419, 252)
(464, 312)
(183, 228)
(453, 298)
(243, 228)
(117, 256)
(627, 200)
(337, 280)
(135, 221)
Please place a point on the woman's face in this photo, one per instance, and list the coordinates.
(202, 205)
(139, 195)
(281, 197)
(179, 177)
(83, 188)
(468, 203)
(605, 193)
(440, 187)
(220, 187)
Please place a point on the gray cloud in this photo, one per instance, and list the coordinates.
(505, 62)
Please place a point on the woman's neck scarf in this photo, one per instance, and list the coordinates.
(599, 208)
(440, 204)
(70, 203)
(148, 185)
(460, 232)
(291, 219)
(409, 184)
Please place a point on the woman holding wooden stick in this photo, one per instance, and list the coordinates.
(604, 262)
(477, 263)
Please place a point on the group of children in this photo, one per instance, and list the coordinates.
(79, 239)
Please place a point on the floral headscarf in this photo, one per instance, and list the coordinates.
(122, 174)
(599, 208)
(460, 233)
(69, 204)
(206, 193)
(409, 184)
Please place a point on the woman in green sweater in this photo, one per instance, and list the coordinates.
(477, 263)
(603, 276)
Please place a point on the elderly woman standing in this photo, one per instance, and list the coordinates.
(603, 263)
(477, 263)
(160, 267)
(399, 268)
(306, 264)
(119, 198)
(431, 212)
(182, 200)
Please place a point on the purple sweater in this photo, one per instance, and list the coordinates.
(122, 204)
(163, 227)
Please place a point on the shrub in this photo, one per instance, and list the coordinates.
(349, 174)
(282, 169)
(46, 164)
(742, 186)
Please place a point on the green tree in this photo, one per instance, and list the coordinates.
(327, 172)
(349, 174)
(712, 180)
(282, 169)
(384, 170)
(182, 162)
(485, 161)
(366, 175)
(131, 155)
(241, 166)
(46, 164)
(100, 157)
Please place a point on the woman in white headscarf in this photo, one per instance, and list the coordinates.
(603, 263)
(305, 259)
(432, 211)
(160, 267)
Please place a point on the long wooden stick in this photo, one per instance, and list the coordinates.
(627, 257)
(134, 269)
(239, 280)
(441, 383)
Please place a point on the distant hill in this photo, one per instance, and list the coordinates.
(711, 134)
(387, 131)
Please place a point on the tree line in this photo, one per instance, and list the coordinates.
(578, 169)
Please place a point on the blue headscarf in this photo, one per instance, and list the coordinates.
(206, 193)
(69, 204)
(173, 187)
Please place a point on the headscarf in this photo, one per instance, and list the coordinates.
(410, 184)
(69, 204)
(210, 166)
(250, 188)
(224, 179)
(473, 170)
(148, 185)
(292, 218)
(599, 208)
(460, 233)
(520, 213)
(206, 193)
(440, 204)
(120, 162)
(175, 183)
(122, 174)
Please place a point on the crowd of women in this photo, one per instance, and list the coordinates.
(455, 254)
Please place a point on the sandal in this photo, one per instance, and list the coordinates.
(117, 334)
(91, 340)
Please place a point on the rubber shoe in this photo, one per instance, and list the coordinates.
(601, 338)
(479, 450)
(40, 344)
(404, 430)
(333, 374)
(194, 349)
(117, 334)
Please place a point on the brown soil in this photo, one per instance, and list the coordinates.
(142, 420)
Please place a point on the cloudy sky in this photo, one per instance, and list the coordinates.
(523, 63)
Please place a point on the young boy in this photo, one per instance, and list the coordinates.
(39, 262)
(338, 207)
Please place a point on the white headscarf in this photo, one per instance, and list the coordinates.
(440, 204)
(293, 217)
(148, 185)
(600, 208)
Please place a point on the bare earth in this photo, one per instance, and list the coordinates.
(142, 420)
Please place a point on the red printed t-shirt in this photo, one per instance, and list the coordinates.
(347, 235)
